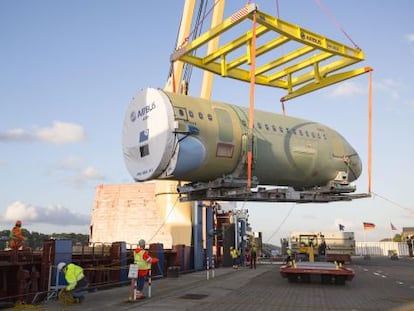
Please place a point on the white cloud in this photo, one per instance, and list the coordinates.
(410, 37)
(61, 133)
(58, 133)
(92, 173)
(18, 210)
(410, 104)
(82, 177)
(72, 172)
(54, 215)
(16, 135)
(389, 87)
(71, 163)
(347, 89)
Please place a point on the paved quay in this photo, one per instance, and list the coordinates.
(379, 284)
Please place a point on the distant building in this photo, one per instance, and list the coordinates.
(152, 211)
(407, 232)
(130, 212)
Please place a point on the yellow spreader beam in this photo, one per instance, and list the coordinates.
(309, 61)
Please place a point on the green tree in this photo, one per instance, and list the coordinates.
(35, 239)
(397, 238)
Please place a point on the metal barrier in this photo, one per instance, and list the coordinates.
(381, 248)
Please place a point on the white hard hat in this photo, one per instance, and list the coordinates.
(61, 265)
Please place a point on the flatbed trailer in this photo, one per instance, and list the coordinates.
(326, 272)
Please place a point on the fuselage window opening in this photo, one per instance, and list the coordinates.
(294, 131)
(266, 126)
(190, 113)
(244, 122)
(180, 113)
(300, 133)
(281, 129)
(210, 117)
(307, 134)
(313, 135)
(319, 135)
(274, 128)
(324, 136)
(287, 130)
(200, 115)
(259, 125)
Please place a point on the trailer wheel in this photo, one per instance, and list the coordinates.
(306, 278)
(340, 280)
(292, 278)
(326, 279)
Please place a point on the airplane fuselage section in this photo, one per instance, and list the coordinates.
(172, 136)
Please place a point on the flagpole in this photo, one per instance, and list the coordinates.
(392, 242)
(394, 251)
(366, 257)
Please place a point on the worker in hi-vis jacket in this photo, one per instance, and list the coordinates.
(143, 260)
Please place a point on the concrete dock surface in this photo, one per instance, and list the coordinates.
(379, 284)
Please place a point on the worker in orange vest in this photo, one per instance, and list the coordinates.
(144, 261)
(16, 236)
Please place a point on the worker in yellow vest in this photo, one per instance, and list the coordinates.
(234, 253)
(289, 257)
(253, 257)
(74, 276)
(143, 260)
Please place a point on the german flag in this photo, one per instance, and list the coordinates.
(368, 226)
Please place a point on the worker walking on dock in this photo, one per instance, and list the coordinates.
(77, 283)
(410, 245)
(289, 256)
(17, 237)
(144, 261)
(253, 257)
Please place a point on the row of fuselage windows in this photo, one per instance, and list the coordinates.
(282, 129)
(266, 126)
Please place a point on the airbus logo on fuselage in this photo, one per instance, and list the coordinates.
(143, 112)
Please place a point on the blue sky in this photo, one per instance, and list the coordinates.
(68, 70)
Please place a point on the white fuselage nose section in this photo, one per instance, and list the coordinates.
(149, 142)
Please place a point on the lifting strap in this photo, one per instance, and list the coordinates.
(335, 21)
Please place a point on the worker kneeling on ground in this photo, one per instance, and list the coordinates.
(77, 283)
(143, 260)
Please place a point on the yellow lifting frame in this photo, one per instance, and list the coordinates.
(310, 72)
